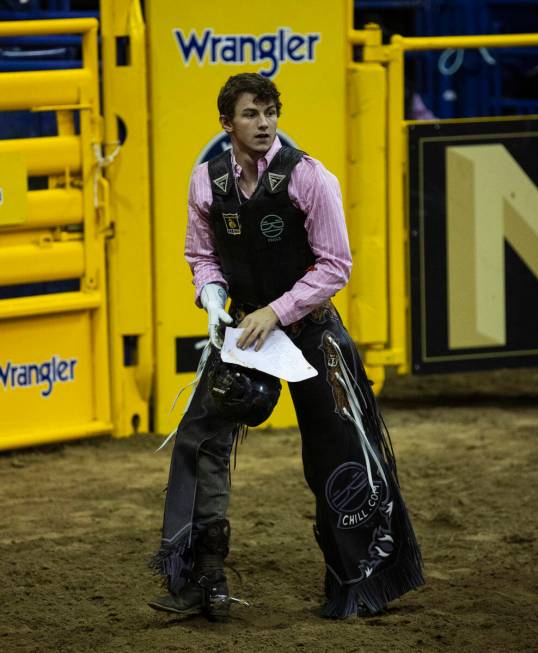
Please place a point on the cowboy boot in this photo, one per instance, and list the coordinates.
(212, 548)
(207, 590)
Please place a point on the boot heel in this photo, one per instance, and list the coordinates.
(217, 601)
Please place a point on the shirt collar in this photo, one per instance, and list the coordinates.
(263, 162)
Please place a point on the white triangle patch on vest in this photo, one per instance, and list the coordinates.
(222, 182)
(275, 180)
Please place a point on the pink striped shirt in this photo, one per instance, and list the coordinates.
(312, 189)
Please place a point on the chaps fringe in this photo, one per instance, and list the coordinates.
(374, 592)
(174, 565)
(383, 586)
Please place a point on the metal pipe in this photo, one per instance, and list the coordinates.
(476, 41)
(63, 302)
(49, 155)
(53, 208)
(357, 37)
(35, 263)
(26, 90)
(397, 235)
(36, 27)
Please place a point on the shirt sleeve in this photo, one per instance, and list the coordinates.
(200, 251)
(316, 191)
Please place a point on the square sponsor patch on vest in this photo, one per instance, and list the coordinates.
(233, 226)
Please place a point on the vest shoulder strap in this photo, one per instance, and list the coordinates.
(220, 173)
(277, 175)
(275, 179)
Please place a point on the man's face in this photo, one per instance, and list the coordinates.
(253, 127)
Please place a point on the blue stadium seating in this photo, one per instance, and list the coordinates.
(471, 83)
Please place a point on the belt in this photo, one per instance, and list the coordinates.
(318, 315)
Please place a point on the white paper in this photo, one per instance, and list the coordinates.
(278, 356)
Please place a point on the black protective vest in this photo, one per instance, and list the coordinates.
(261, 241)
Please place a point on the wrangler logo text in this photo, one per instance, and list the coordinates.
(46, 374)
(283, 46)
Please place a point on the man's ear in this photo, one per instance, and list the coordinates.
(226, 124)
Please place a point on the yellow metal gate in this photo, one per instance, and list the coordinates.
(54, 361)
(378, 211)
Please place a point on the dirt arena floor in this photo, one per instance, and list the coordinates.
(79, 520)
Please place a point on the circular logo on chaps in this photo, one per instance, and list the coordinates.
(349, 493)
(272, 227)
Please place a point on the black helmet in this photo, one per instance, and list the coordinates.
(242, 394)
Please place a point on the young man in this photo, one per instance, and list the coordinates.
(266, 226)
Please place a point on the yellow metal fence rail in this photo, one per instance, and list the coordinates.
(380, 313)
(129, 255)
(35, 246)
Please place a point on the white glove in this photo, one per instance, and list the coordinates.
(213, 298)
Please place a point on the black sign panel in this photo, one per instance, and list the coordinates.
(188, 353)
(473, 205)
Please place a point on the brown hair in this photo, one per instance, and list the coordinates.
(261, 87)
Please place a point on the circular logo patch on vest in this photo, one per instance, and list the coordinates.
(349, 493)
(272, 227)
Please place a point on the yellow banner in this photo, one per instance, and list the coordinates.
(45, 380)
(194, 48)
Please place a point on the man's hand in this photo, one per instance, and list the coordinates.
(257, 326)
(213, 298)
